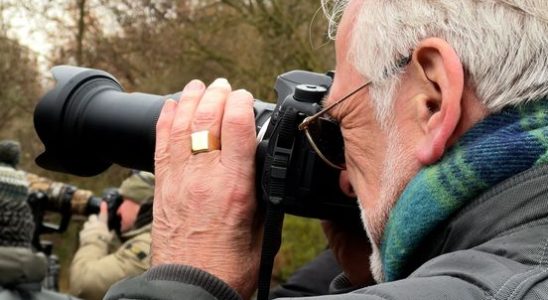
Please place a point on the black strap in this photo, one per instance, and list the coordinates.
(271, 244)
(276, 166)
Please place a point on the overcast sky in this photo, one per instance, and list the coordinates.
(31, 32)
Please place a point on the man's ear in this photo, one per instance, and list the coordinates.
(440, 73)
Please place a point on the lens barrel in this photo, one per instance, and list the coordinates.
(87, 122)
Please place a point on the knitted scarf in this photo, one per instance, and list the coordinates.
(495, 149)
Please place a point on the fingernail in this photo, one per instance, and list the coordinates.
(243, 91)
(220, 82)
(194, 85)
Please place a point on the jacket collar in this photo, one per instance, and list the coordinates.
(135, 232)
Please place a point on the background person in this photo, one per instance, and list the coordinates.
(99, 263)
(445, 147)
(21, 270)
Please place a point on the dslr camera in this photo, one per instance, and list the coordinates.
(88, 108)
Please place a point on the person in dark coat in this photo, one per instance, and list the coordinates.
(21, 270)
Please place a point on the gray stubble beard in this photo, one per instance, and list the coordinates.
(394, 178)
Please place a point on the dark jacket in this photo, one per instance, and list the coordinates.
(496, 247)
(21, 275)
(312, 279)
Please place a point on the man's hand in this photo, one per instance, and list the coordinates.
(349, 243)
(352, 249)
(96, 227)
(204, 204)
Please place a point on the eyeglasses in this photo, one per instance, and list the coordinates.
(324, 134)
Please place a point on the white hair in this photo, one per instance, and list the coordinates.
(503, 44)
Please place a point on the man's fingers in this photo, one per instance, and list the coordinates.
(163, 129)
(103, 214)
(179, 137)
(209, 113)
(238, 128)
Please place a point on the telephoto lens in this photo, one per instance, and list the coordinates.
(87, 122)
(62, 197)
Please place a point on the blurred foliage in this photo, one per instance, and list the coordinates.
(19, 84)
(156, 46)
(302, 240)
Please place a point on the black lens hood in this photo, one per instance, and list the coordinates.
(55, 120)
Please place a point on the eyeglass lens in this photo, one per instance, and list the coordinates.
(327, 136)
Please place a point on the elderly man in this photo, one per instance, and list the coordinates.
(445, 147)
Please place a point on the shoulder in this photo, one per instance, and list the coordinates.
(136, 249)
(485, 270)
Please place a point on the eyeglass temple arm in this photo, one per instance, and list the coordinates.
(308, 120)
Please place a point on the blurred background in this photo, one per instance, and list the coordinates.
(156, 46)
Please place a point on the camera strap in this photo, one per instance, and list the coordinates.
(272, 239)
(277, 162)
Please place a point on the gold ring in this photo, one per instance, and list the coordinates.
(203, 141)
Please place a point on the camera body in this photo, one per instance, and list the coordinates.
(88, 108)
(291, 173)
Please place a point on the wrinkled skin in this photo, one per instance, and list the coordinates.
(204, 207)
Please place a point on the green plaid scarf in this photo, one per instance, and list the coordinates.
(502, 145)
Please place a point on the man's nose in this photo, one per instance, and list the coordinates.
(345, 184)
